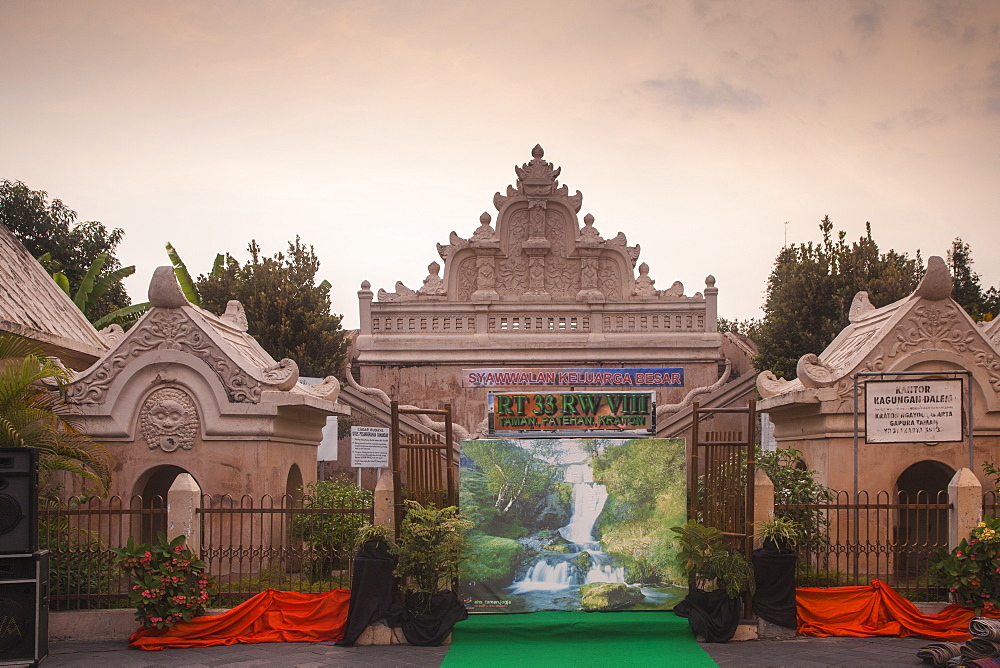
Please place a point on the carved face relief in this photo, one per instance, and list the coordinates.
(169, 420)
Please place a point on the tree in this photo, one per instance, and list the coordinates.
(95, 285)
(287, 311)
(811, 289)
(967, 289)
(31, 415)
(49, 228)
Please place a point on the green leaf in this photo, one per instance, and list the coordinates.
(122, 315)
(183, 276)
(82, 297)
(62, 281)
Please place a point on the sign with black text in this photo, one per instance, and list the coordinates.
(369, 447)
(913, 411)
(557, 414)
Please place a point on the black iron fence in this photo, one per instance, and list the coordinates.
(248, 545)
(282, 543)
(890, 536)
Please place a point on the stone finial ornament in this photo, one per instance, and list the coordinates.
(589, 233)
(236, 315)
(936, 283)
(644, 284)
(283, 375)
(112, 334)
(328, 390)
(770, 385)
(813, 372)
(433, 285)
(169, 420)
(164, 291)
(485, 231)
(860, 307)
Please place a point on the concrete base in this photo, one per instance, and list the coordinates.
(766, 629)
(118, 625)
(98, 625)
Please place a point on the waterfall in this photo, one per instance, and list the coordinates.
(557, 571)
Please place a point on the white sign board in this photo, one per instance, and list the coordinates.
(913, 411)
(369, 447)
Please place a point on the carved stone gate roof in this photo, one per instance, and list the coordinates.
(538, 272)
(926, 325)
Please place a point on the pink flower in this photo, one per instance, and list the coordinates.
(179, 548)
(147, 594)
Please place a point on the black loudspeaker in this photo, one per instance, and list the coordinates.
(18, 500)
(24, 608)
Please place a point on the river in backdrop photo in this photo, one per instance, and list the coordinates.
(572, 524)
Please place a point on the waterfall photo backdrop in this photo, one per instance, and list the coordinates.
(573, 524)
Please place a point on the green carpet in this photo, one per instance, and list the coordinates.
(576, 639)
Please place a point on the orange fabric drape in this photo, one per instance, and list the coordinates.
(875, 611)
(270, 616)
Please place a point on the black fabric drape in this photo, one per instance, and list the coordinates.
(774, 572)
(712, 615)
(373, 590)
(428, 619)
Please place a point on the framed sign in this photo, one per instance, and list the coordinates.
(558, 414)
(369, 447)
(913, 411)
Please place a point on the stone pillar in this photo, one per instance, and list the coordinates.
(385, 510)
(365, 296)
(711, 305)
(486, 272)
(183, 502)
(966, 495)
(763, 500)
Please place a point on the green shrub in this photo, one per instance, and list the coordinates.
(169, 583)
(972, 570)
(331, 538)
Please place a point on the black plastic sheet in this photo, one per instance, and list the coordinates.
(373, 589)
(774, 572)
(712, 615)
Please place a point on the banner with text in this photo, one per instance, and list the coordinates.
(571, 413)
(655, 377)
(913, 411)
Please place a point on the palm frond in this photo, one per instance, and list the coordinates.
(122, 315)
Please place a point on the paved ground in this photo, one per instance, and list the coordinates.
(800, 652)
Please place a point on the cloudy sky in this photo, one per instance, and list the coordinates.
(373, 129)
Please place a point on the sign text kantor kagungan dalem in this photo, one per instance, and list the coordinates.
(913, 411)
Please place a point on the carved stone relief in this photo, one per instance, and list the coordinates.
(169, 420)
(166, 330)
(466, 279)
(610, 280)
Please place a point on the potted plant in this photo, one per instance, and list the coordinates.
(718, 575)
(431, 544)
(778, 534)
(774, 570)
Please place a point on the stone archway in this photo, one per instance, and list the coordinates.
(920, 530)
(293, 484)
(152, 487)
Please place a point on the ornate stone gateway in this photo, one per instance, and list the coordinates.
(540, 288)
